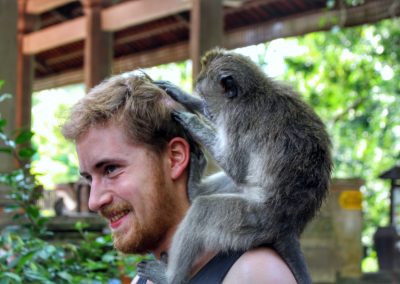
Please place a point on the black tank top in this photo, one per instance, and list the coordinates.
(214, 271)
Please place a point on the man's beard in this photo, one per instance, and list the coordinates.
(146, 235)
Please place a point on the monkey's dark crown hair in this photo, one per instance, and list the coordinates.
(212, 55)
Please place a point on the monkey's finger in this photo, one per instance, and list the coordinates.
(176, 115)
(165, 84)
(164, 257)
(142, 264)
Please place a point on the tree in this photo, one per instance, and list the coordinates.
(350, 77)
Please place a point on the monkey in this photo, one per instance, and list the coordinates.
(276, 156)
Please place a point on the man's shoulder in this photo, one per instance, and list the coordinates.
(260, 265)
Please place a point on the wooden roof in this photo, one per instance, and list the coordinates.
(146, 35)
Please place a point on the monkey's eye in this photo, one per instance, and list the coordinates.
(228, 83)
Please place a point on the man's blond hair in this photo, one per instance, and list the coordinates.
(131, 100)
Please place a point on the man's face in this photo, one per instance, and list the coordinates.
(130, 187)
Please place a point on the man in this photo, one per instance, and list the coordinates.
(136, 159)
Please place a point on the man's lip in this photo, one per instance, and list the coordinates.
(117, 219)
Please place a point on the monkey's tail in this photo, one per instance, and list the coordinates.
(289, 249)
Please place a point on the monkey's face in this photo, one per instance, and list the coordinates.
(229, 83)
(222, 82)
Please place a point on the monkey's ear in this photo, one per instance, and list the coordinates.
(229, 85)
(178, 156)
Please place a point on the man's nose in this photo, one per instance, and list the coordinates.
(99, 195)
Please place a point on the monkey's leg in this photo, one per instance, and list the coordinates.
(289, 249)
(219, 222)
(153, 270)
(190, 102)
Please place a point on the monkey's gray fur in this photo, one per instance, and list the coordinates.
(275, 152)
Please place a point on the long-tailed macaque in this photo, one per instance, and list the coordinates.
(275, 153)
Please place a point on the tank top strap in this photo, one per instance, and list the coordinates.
(216, 269)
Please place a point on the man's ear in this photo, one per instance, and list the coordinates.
(179, 156)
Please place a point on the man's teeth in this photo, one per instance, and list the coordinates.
(119, 216)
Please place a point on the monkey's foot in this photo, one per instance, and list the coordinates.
(153, 270)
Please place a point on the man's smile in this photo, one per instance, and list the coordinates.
(117, 218)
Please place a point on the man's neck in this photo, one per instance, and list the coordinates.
(198, 264)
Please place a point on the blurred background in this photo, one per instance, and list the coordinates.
(341, 56)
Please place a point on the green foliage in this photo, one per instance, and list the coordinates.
(350, 77)
(26, 254)
(55, 160)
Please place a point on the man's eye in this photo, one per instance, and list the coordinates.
(109, 169)
(87, 178)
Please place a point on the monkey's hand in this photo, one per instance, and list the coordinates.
(190, 102)
(153, 270)
(201, 129)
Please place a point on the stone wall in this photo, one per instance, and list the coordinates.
(332, 241)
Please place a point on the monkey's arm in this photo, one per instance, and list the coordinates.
(201, 129)
(213, 184)
(192, 103)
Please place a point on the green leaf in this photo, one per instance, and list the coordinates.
(3, 123)
(11, 208)
(81, 225)
(94, 265)
(5, 97)
(33, 211)
(24, 259)
(12, 276)
(23, 137)
(65, 275)
(26, 152)
(7, 150)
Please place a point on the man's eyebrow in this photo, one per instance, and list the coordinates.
(83, 174)
(99, 165)
(105, 161)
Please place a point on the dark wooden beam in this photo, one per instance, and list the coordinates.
(291, 26)
(55, 36)
(153, 31)
(113, 19)
(61, 79)
(43, 67)
(40, 6)
(128, 14)
(163, 55)
(309, 22)
(206, 30)
(98, 45)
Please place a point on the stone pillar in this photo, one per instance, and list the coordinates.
(8, 74)
(206, 30)
(23, 96)
(8, 69)
(98, 53)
